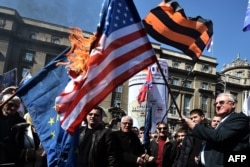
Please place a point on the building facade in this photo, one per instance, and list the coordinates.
(28, 45)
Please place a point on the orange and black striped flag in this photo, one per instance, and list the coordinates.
(167, 23)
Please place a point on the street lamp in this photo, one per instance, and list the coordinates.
(222, 83)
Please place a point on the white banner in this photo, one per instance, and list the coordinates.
(157, 95)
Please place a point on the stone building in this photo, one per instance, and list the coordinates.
(235, 78)
(28, 44)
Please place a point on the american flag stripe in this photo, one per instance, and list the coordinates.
(108, 68)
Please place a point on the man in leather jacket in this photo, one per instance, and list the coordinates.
(97, 145)
(9, 117)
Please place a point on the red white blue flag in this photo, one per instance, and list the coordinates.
(121, 50)
(246, 26)
(145, 87)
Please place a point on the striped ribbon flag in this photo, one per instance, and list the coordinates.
(167, 23)
(122, 49)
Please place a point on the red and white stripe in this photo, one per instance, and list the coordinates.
(115, 59)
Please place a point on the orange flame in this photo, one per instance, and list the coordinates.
(78, 55)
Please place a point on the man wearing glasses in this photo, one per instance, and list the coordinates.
(10, 149)
(133, 154)
(97, 145)
(229, 136)
(162, 148)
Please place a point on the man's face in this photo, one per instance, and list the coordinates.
(196, 118)
(126, 125)
(223, 105)
(10, 108)
(141, 133)
(162, 130)
(180, 136)
(215, 121)
(94, 118)
(135, 130)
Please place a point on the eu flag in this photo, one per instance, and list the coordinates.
(38, 95)
(8, 79)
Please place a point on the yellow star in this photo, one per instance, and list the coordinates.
(51, 121)
(53, 134)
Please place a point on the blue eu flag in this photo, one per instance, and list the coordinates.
(38, 95)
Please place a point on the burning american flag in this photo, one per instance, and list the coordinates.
(121, 49)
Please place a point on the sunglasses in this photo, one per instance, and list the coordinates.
(162, 128)
(93, 114)
(12, 105)
(222, 102)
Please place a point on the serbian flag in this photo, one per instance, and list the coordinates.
(210, 44)
(167, 23)
(145, 87)
(246, 26)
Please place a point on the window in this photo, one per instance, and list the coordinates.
(28, 57)
(239, 74)
(188, 67)
(205, 68)
(187, 84)
(204, 103)
(175, 81)
(173, 109)
(2, 22)
(25, 70)
(204, 85)
(118, 95)
(55, 40)
(118, 89)
(187, 100)
(33, 35)
(175, 65)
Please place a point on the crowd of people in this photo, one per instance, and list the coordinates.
(192, 145)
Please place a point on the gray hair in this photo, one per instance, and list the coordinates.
(15, 99)
(230, 96)
(127, 116)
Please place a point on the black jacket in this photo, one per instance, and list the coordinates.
(230, 135)
(103, 151)
(131, 148)
(169, 152)
(191, 147)
(10, 148)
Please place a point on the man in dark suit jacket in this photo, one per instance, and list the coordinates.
(231, 134)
